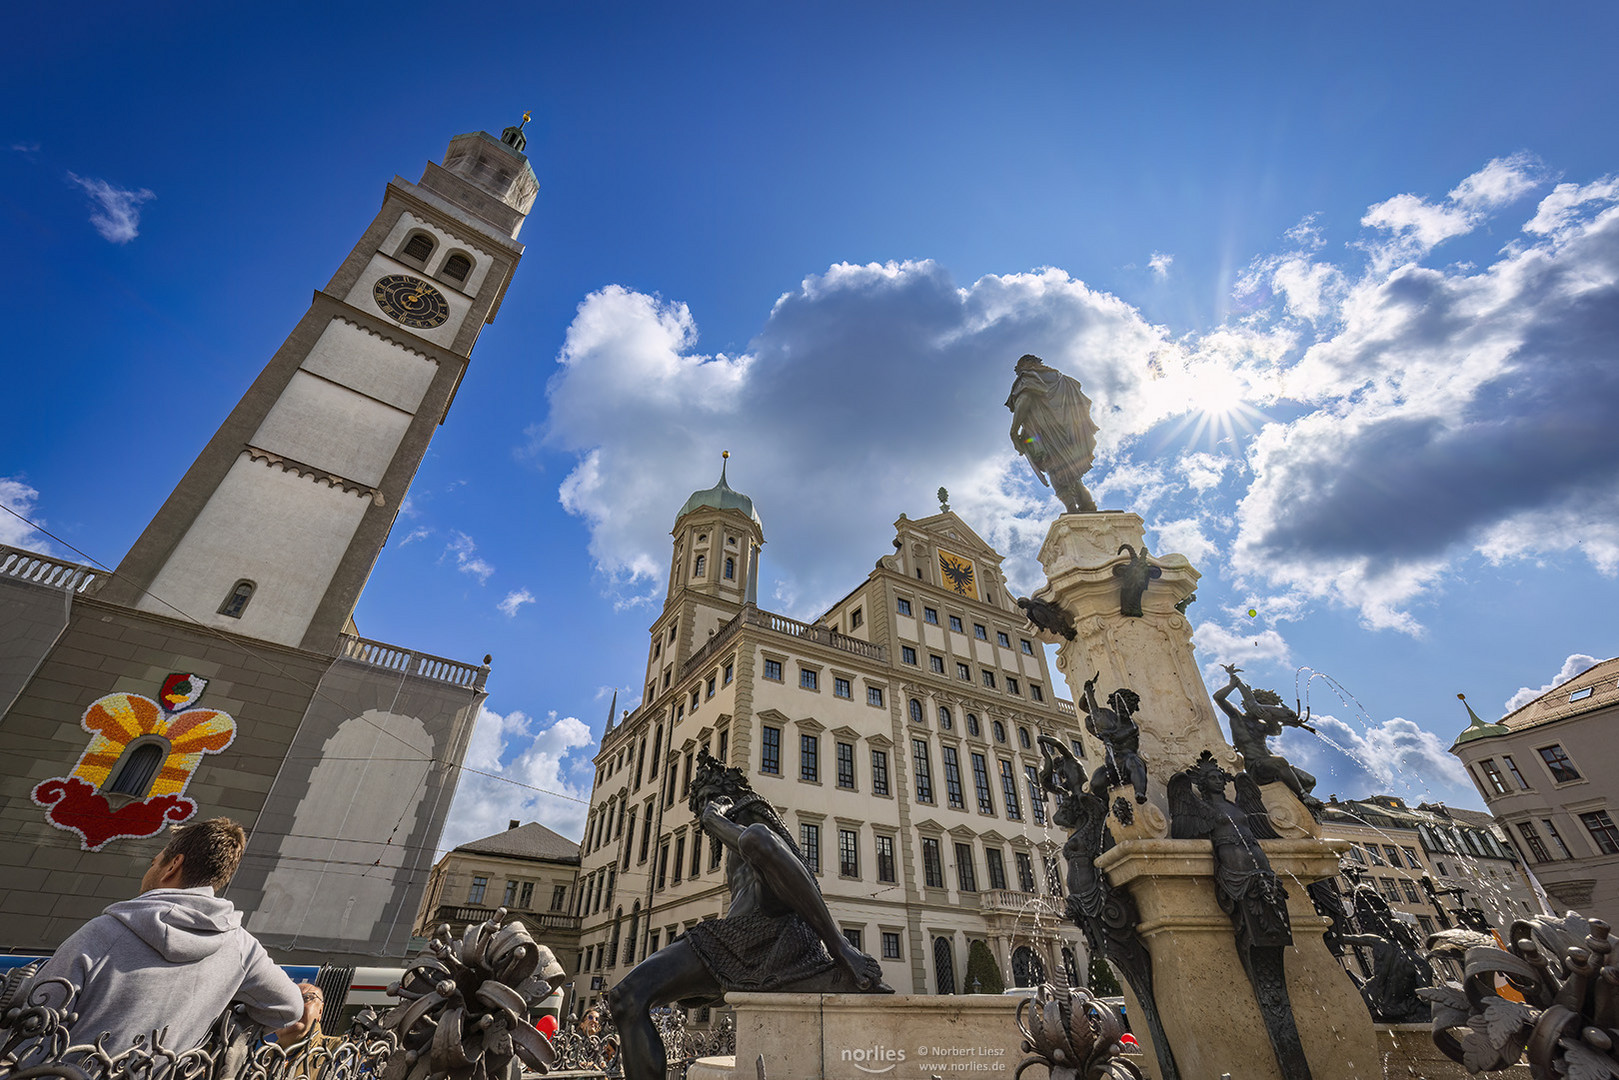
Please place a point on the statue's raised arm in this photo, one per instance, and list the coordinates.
(1052, 427)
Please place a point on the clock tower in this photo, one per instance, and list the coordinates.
(274, 529)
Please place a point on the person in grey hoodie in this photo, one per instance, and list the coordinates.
(176, 955)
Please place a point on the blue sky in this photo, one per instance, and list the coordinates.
(1342, 283)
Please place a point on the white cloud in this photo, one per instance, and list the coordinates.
(1501, 181)
(1395, 757)
(1204, 471)
(1183, 536)
(117, 214)
(529, 767)
(514, 600)
(1159, 263)
(20, 498)
(1251, 648)
(415, 535)
(1415, 226)
(1574, 665)
(466, 560)
(1560, 210)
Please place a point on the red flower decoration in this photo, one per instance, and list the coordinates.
(76, 806)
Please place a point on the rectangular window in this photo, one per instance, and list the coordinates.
(1036, 693)
(680, 858)
(725, 745)
(986, 804)
(874, 696)
(966, 875)
(1053, 875)
(1037, 801)
(1079, 748)
(845, 765)
(841, 688)
(979, 632)
(809, 679)
(1411, 859)
(559, 896)
(1028, 646)
(955, 623)
(663, 864)
(770, 750)
(902, 605)
(1025, 871)
(710, 686)
(952, 779)
(1512, 767)
(932, 864)
(1002, 640)
(773, 670)
(1557, 839)
(510, 898)
(646, 834)
(907, 655)
(885, 858)
(848, 853)
(696, 854)
(936, 664)
(1391, 889)
(1537, 846)
(1497, 782)
(696, 699)
(475, 894)
(1427, 923)
(1600, 826)
(1409, 887)
(1376, 856)
(997, 867)
(924, 775)
(1014, 808)
(852, 936)
(963, 672)
(809, 757)
(1561, 767)
(685, 777)
(989, 679)
(856, 617)
(651, 944)
(1011, 686)
(1393, 853)
(930, 615)
(809, 842)
(730, 672)
(879, 772)
(890, 945)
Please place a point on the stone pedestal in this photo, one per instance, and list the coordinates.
(1152, 654)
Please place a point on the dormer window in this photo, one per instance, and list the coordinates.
(457, 267)
(417, 249)
(236, 602)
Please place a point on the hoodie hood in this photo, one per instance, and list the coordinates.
(182, 925)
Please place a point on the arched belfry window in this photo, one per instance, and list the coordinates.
(236, 602)
(135, 773)
(701, 564)
(730, 568)
(457, 267)
(417, 248)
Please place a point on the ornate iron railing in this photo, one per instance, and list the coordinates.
(411, 662)
(44, 570)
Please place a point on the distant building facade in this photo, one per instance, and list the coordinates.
(895, 734)
(218, 670)
(529, 870)
(1393, 847)
(1545, 771)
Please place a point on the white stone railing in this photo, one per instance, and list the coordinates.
(44, 570)
(1019, 903)
(411, 662)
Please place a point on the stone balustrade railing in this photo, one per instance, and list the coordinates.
(44, 570)
(411, 662)
(1019, 903)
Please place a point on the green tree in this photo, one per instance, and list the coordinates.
(981, 966)
(1102, 980)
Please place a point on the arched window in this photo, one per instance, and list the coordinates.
(945, 722)
(916, 712)
(999, 729)
(972, 725)
(1023, 736)
(1027, 970)
(417, 248)
(730, 568)
(699, 565)
(136, 772)
(944, 968)
(457, 267)
(236, 602)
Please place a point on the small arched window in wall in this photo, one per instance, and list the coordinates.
(1023, 736)
(457, 267)
(236, 602)
(138, 768)
(945, 721)
(417, 248)
(1000, 731)
(916, 712)
(972, 725)
(730, 568)
(699, 566)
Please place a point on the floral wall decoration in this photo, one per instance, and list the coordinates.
(121, 726)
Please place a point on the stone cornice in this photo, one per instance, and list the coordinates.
(299, 468)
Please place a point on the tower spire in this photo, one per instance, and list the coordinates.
(1477, 728)
(725, 456)
(514, 137)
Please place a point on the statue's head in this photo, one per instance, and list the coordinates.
(1207, 775)
(1029, 361)
(712, 780)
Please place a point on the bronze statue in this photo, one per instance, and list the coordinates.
(1247, 888)
(1044, 615)
(1052, 427)
(1120, 736)
(1263, 715)
(1134, 576)
(1108, 916)
(777, 934)
(1399, 969)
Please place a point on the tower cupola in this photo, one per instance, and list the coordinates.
(720, 497)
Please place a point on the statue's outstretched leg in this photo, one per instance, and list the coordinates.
(1138, 777)
(673, 973)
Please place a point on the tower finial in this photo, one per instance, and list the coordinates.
(514, 137)
(725, 456)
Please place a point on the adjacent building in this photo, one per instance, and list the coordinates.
(1540, 769)
(218, 670)
(895, 734)
(527, 869)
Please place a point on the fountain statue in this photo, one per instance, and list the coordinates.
(1052, 428)
(1264, 715)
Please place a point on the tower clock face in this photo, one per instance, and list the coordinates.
(956, 572)
(411, 301)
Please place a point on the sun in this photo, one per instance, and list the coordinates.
(1218, 405)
